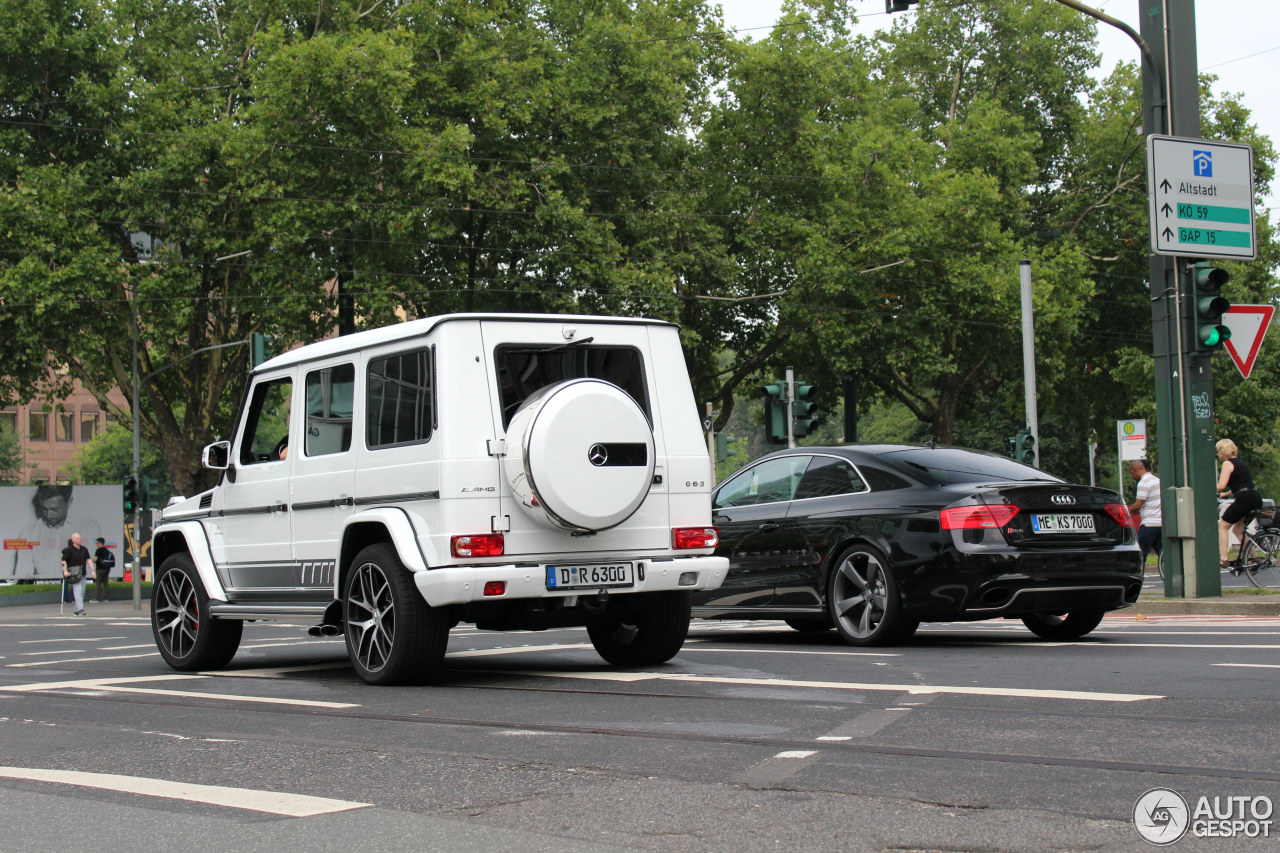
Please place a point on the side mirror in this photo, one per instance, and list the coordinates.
(217, 456)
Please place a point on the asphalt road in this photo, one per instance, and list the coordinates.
(974, 737)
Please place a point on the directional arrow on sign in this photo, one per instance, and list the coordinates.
(1248, 325)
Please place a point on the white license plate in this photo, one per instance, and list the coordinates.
(591, 577)
(1062, 523)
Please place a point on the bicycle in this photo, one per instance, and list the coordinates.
(1258, 557)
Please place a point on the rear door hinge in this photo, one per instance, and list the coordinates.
(500, 523)
(497, 446)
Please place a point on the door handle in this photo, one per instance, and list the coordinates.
(769, 525)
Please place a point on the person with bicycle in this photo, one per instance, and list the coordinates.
(1235, 480)
(1147, 508)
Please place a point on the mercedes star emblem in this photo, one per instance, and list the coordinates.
(598, 454)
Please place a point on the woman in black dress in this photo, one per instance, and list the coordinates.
(1234, 481)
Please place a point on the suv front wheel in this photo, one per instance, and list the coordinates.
(186, 634)
(393, 635)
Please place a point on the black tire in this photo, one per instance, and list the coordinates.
(1063, 626)
(186, 634)
(809, 624)
(863, 600)
(393, 635)
(642, 634)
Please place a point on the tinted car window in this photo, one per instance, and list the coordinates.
(827, 476)
(524, 369)
(771, 481)
(945, 465)
(400, 404)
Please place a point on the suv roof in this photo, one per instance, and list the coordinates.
(417, 328)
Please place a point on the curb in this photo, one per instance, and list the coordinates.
(1226, 605)
(54, 596)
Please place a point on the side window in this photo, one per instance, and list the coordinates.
(827, 476)
(266, 435)
(329, 406)
(400, 405)
(769, 482)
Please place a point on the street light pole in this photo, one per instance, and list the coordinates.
(136, 549)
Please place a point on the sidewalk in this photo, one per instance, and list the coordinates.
(1228, 604)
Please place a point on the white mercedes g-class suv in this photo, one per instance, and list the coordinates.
(513, 471)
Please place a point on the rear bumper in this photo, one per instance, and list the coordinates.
(995, 586)
(464, 584)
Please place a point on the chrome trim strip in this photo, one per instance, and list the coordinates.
(391, 499)
(267, 611)
(1014, 597)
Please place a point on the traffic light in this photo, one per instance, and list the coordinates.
(1210, 305)
(144, 492)
(775, 412)
(258, 348)
(130, 496)
(723, 440)
(1024, 447)
(1013, 446)
(897, 5)
(805, 411)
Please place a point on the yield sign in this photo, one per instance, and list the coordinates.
(1248, 325)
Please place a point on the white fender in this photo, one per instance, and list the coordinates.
(403, 537)
(198, 548)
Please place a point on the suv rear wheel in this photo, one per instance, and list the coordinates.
(393, 635)
(186, 634)
(642, 637)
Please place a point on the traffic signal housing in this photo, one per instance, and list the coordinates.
(130, 503)
(1024, 447)
(723, 451)
(775, 412)
(146, 487)
(805, 411)
(258, 348)
(1210, 332)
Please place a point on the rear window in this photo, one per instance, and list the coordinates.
(523, 369)
(945, 466)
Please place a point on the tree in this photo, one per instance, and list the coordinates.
(13, 461)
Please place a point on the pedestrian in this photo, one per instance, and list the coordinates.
(75, 563)
(1234, 481)
(103, 562)
(1147, 508)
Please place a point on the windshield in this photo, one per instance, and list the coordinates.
(947, 466)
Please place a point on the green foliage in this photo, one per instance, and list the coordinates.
(108, 459)
(13, 461)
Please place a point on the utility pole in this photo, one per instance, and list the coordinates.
(1184, 377)
(1029, 357)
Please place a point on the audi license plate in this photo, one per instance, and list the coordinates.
(1062, 523)
(591, 577)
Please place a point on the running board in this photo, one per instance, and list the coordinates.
(312, 612)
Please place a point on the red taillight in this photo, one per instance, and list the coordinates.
(477, 545)
(686, 538)
(1120, 513)
(495, 587)
(976, 517)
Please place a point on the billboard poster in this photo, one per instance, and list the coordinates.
(37, 521)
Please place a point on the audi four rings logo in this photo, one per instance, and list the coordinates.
(1063, 500)
(598, 455)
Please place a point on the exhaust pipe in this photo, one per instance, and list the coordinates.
(324, 630)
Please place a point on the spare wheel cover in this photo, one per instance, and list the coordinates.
(586, 451)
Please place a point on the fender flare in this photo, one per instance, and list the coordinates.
(197, 547)
(400, 531)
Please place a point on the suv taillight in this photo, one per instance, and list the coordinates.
(687, 538)
(478, 545)
(976, 517)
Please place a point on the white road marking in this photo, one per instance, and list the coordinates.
(796, 753)
(268, 802)
(700, 648)
(1018, 692)
(83, 660)
(1252, 665)
(117, 685)
(275, 672)
(58, 652)
(512, 650)
(77, 639)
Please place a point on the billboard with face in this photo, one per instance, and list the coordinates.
(37, 521)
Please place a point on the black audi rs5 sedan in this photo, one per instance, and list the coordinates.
(872, 540)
